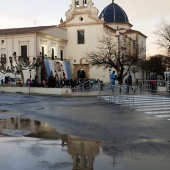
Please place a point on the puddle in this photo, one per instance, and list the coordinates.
(4, 111)
(25, 137)
(16, 126)
(30, 144)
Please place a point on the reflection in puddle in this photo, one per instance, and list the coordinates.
(4, 110)
(82, 151)
(35, 145)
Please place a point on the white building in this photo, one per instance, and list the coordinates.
(71, 39)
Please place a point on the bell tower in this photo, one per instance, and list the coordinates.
(81, 3)
(81, 7)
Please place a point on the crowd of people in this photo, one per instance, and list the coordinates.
(63, 82)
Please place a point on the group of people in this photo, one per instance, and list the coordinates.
(113, 78)
(128, 80)
(63, 82)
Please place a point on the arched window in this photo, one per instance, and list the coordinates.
(86, 161)
(79, 161)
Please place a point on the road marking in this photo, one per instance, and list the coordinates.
(158, 106)
(153, 109)
(158, 112)
(150, 106)
(162, 116)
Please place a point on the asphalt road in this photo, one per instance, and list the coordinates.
(135, 140)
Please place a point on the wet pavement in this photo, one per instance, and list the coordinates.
(79, 133)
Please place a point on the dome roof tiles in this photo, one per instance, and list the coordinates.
(113, 13)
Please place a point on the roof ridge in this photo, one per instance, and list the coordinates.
(24, 29)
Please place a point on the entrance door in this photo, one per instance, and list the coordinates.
(81, 74)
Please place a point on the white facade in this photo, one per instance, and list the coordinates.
(84, 17)
(47, 40)
(62, 41)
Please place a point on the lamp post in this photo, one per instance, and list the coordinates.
(30, 73)
(109, 75)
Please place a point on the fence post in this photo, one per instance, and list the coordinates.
(99, 90)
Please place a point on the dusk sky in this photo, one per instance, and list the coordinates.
(144, 15)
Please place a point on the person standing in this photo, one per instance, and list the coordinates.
(112, 78)
(128, 82)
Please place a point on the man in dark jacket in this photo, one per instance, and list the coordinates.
(128, 81)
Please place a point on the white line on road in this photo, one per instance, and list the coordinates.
(162, 116)
(153, 109)
(158, 112)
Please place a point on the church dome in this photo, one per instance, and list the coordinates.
(113, 13)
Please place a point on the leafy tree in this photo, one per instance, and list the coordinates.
(156, 64)
(107, 55)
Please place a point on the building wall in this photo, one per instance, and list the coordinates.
(77, 52)
(12, 43)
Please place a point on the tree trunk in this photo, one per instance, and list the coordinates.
(121, 75)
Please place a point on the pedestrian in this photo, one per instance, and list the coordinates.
(128, 82)
(153, 83)
(112, 78)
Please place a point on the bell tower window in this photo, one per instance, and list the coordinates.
(85, 2)
(77, 3)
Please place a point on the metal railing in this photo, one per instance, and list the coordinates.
(86, 86)
(123, 94)
(119, 93)
(155, 85)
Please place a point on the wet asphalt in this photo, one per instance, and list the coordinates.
(134, 139)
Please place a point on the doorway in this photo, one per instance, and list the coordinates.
(81, 74)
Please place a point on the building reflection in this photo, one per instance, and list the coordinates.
(82, 151)
(30, 125)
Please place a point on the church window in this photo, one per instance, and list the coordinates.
(61, 55)
(24, 50)
(52, 55)
(79, 161)
(86, 161)
(3, 58)
(81, 18)
(2, 42)
(80, 34)
(42, 53)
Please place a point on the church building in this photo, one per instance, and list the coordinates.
(71, 40)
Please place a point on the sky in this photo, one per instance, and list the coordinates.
(144, 15)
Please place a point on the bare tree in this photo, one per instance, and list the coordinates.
(24, 63)
(107, 55)
(162, 33)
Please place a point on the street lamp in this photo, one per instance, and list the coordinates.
(29, 80)
(109, 75)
